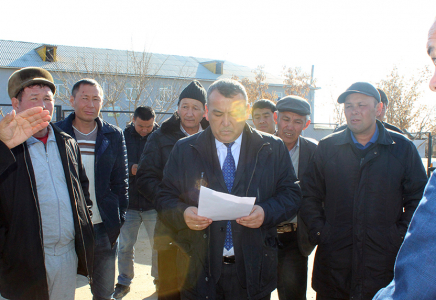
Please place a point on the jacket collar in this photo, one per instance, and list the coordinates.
(172, 124)
(252, 141)
(103, 127)
(384, 138)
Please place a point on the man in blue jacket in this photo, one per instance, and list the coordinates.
(104, 156)
(415, 267)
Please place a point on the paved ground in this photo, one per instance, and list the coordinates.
(142, 287)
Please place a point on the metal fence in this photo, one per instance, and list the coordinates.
(119, 118)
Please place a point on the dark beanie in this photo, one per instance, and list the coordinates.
(194, 91)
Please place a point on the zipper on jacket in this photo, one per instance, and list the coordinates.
(78, 221)
(208, 228)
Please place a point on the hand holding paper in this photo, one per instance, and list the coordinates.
(254, 220)
(194, 221)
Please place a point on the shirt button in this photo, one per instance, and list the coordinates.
(207, 279)
(318, 233)
(205, 235)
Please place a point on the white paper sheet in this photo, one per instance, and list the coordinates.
(221, 206)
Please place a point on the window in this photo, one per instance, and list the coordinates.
(131, 94)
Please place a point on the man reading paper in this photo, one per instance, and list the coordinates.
(228, 259)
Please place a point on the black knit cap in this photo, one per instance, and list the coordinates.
(194, 91)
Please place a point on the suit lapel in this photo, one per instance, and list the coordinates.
(206, 147)
(303, 158)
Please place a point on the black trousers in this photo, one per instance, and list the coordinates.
(167, 270)
(228, 286)
(292, 269)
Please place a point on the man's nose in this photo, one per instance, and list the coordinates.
(226, 120)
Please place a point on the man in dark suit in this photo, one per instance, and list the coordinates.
(229, 259)
(292, 117)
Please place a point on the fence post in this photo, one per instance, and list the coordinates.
(58, 113)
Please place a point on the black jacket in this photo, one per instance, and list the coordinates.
(111, 174)
(150, 169)
(307, 148)
(358, 207)
(135, 145)
(22, 268)
(264, 171)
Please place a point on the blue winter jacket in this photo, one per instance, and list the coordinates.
(111, 174)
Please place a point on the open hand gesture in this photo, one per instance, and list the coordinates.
(17, 128)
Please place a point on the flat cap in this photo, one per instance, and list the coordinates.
(383, 97)
(29, 76)
(363, 88)
(294, 104)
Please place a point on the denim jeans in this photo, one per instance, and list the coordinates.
(128, 237)
(102, 286)
(292, 269)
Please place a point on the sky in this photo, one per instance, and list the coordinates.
(346, 40)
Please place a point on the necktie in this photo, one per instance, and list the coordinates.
(228, 170)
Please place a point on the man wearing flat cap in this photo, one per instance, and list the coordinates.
(360, 191)
(46, 235)
(381, 116)
(187, 120)
(292, 117)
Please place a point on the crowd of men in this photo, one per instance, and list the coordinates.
(74, 194)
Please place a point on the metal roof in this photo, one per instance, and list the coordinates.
(14, 54)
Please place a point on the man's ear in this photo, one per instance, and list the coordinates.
(378, 108)
(276, 116)
(71, 101)
(307, 124)
(206, 113)
(15, 103)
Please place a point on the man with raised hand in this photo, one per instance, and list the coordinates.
(46, 235)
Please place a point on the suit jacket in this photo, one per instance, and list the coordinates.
(307, 147)
(264, 171)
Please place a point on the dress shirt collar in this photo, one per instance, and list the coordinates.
(371, 141)
(200, 129)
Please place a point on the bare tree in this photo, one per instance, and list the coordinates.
(128, 81)
(405, 110)
(297, 82)
(257, 88)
